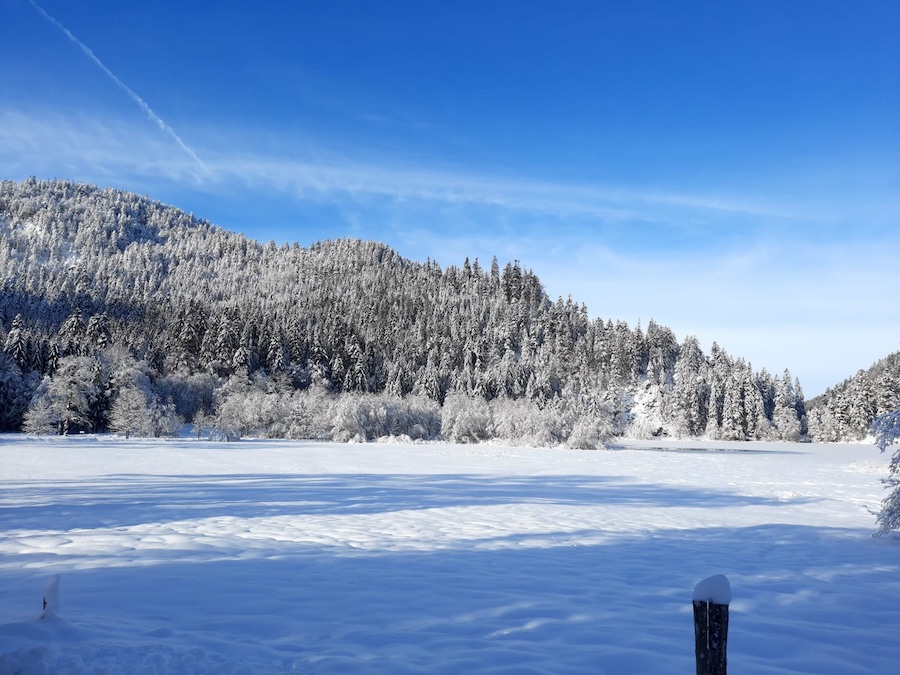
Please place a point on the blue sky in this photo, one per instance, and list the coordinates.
(729, 169)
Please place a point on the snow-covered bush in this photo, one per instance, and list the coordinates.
(465, 419)
(349, 424)
(416, 417)
(516, 420)
(134, 413)
(309, 414)
(886, 429)
(251, 407)
(523, 422)
(588, 434)
(787, 424)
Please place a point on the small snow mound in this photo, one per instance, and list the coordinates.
(51, 598)
(872, 466)
(714, 589)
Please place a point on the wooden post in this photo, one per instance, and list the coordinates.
(711, 599)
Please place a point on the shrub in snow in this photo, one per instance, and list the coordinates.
(349, 421)
(588, 434)
(203, 422)
(823, 427)
(163, 419)
(516, 420)
(367, 417)
(309, 414)
(417, 417)
(190, 393)
(886, 429)
(787, 424)
(465, 420)
(246, 407)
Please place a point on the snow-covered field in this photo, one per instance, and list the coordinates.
(268, 557)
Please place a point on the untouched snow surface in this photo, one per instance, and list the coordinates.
(273, 557)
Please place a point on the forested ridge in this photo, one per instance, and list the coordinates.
(118, 312)
(846, 411)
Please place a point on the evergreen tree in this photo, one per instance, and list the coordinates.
(734, 423)
(886, 429)
(17, 342)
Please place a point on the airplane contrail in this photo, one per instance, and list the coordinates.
(128, 90)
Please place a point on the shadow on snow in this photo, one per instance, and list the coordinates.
(123, 500)
(806, 599)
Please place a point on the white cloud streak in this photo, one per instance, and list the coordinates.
(124, 87)
(311, 179)
(95, 147)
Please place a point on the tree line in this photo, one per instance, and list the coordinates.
(846, 411)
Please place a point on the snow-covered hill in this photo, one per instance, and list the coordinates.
(93, 281)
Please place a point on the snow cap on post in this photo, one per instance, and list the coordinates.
(714, 589)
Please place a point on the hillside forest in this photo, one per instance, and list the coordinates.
(120, 313)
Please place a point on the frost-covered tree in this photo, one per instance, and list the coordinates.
(16, 342)
(886, 430)
(690, 395)
(41, 418)
(72, 394)
(130, 413)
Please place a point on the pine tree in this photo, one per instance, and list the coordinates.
(17, 342)
(734, 424)
(886, 429)
(71, 334)
(14, 390)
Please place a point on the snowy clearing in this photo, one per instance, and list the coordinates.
(268, 557)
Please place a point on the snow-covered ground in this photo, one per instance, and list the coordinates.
(268, 557)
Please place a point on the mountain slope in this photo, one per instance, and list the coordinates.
(84, 270)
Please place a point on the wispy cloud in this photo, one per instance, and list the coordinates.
(124, 87)
(86, 147)
(396, 181)
(101, 147)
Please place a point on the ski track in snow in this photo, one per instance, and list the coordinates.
(277, 557)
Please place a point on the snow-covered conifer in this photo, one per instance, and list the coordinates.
(886, 430)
